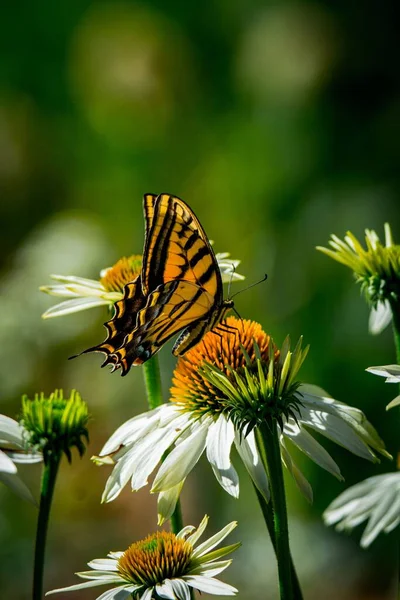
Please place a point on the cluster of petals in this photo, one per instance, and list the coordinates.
(138, 447)
(13, 450)
(376, 500)
(200, 573)
(392, 374)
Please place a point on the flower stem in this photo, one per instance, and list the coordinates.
(176, 519)
(268, 445)
(268, 514)
(395, 306)
(49, 476)
(152, 381)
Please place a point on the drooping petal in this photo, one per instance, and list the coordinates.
(181, 589)
(18, 486)
(181, 460)
(295, 472)
(166, 590)
(247, 450)
(71, 306)
(83, 281)
(166, 504)
(10, 431)
(24, 458)
(131, 430)
(379, 317)
(210, 585)
(220, 437)
(307, 444)
(116, 594)
(6, 464)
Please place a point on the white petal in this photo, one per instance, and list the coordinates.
(11, 431)
(379, 317)
(181, 589)
(384, 513)
(150, 451)
(104, 564)
(166, 504)
(213, 541)
(130, 430)
(295, 472)
(193, 539)
(72, 306)
(185, 531)
(6, 464)
(165, 590)
(78, 586)
(210, 585)
(181, 460)
(307, 444)
(147, 594)
(24, 458)
(220, 437)
(337, 430)
(392, 372)
(90, 283)
(18, 486)
(247, 450)
(393, 403)
(211, 569)
(115, 594)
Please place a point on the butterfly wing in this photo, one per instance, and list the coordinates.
(180, 288)
(123, 321)
(170, 308)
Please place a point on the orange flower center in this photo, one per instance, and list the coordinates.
(159, 556)
(124, 271)
(230, 347)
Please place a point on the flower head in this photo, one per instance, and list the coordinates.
(392, 374)
(376, 268)
(55, 424)
(376, 500)
(87, 293)
(223, 388)
(164, 564)
(14, 449)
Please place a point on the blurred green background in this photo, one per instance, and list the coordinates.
(279, 124)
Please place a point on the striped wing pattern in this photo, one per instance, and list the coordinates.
(179, 289)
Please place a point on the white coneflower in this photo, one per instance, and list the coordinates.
(376, 500)
(14, 449)
(87, 293)
(223, 389)
(377, 268)
(163, 565)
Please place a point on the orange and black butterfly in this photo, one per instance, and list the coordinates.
(179, 289)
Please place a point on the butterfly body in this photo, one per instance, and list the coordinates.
(179, 289)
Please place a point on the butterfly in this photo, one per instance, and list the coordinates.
(179, 289)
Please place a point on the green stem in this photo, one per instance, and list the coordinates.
(176, 518)
(268, 514)
(395, 306)
(152, 382)
(48, 483)
(268, 445)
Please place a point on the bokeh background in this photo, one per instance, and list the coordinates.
(278, 123)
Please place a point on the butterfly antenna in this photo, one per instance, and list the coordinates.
(251, 285)
(230, 281)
